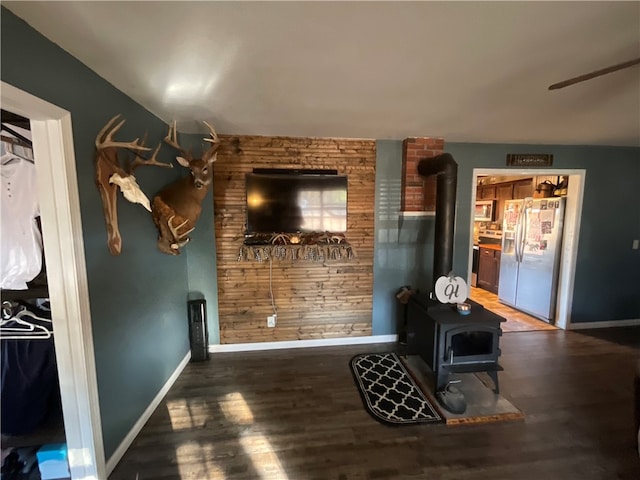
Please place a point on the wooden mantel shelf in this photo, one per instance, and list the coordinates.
(320, 252)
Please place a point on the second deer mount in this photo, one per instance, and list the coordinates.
(176, 208)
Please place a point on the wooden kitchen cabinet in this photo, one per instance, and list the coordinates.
(523, 188)
(489, 269)
(486, 192)
(503, 192)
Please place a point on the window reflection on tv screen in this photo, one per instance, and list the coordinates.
(291, 203)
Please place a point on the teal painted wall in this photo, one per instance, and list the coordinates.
(138, 299)
(403, 248)
(607, 282)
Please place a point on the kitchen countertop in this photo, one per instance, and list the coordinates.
(490, 246)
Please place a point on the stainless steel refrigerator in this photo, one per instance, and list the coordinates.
(530, 258)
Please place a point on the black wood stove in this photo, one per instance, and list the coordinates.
(453, 343)
(448, 341)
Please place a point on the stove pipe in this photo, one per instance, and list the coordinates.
(445, 167)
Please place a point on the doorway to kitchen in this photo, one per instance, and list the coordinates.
(521, 183)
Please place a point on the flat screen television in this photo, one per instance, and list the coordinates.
(289, 201)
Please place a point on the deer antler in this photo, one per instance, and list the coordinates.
(172, 139)
(181, 239)
(105, 137)
(139, 161)
(214, 140)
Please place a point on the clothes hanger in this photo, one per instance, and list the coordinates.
(8, 156)
(14, 324)
(27, 312)
(11, 325)
(24, 139)
(9, 307)
(11, 154)
(39, 333)
(15, 141)
(30, 330)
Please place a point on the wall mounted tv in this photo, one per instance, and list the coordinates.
(289, 201)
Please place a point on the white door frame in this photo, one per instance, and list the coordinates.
(67, 278)
(572, 215)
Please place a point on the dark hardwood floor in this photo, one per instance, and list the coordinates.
(297, 415)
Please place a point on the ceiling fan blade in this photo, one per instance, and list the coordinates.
(597, 73)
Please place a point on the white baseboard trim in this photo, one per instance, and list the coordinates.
(320, 342)
(613, 323)
(128, 440)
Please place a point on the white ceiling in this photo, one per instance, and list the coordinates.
(466, 71)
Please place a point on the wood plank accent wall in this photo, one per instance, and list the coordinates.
(314, 300)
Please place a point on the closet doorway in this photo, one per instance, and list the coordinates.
(66, 274)
(32, 421)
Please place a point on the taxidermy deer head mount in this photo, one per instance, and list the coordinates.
(110, 175)
(177, 207)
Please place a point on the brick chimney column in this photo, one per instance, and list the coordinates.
(418, 193)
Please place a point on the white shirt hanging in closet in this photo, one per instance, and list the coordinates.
(21, 241)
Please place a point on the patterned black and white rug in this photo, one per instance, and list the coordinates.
(389, 393)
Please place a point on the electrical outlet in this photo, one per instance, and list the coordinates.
(635, 245)
(271, 321)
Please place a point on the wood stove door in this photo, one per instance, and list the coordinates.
(470, 344)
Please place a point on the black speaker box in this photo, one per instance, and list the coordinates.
(198, 331)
